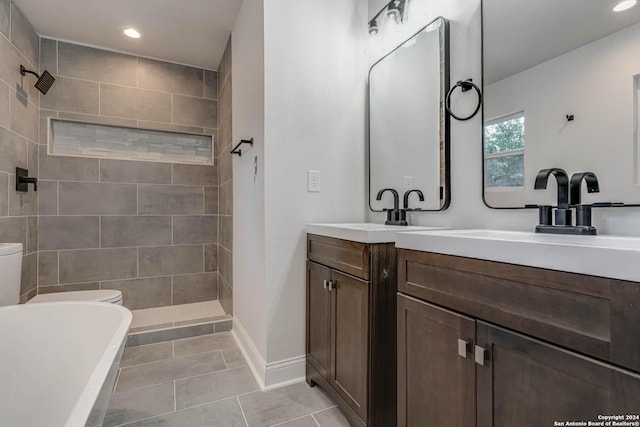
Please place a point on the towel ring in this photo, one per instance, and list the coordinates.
(465, 85)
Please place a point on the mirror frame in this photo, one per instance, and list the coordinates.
(484, 200)
(444, 115)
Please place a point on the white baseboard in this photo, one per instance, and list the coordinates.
(268, 375)
(285, 372)
(249, 351)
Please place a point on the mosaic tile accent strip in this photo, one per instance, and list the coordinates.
(69, 138)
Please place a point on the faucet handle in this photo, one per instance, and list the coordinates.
(544, 215)
(583, 215)
(390, 213)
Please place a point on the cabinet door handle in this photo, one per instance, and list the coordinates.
(326, 283)
(464, 348)
(332, 285)
(480, 355)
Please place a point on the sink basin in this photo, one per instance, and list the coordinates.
(364, 232)
(606, 256)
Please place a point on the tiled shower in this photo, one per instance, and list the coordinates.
(19, 106)
(151, 230)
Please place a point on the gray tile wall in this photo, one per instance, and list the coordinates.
(225, 181)
(19, 104)
(147, 229)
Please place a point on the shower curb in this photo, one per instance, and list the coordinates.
(136, 339)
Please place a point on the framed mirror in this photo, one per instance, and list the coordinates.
(561, 89)
(408, 126)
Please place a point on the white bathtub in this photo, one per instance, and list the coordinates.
(58, 362)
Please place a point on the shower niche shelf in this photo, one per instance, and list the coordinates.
(83, 139)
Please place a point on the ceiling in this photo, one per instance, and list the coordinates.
(192, 32)
(519, 34)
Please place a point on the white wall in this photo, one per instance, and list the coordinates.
(249, 291)
(304, 105)
(467, 209)
(314, 119)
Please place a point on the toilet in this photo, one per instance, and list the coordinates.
(10, 274)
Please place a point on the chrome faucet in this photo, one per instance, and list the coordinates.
(393, 215)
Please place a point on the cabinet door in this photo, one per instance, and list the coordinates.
(318, 318)
(350, 339)
(529, 383)
(436, 383)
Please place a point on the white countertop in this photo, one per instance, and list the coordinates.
(615, 257)
(364, 232)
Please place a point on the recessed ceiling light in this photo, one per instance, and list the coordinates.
(130, 32)
(624, 5)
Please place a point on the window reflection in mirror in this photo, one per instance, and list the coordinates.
(504, 152)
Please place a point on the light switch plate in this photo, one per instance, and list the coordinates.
(313, 181)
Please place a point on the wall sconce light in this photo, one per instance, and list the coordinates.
(394, 12)
(373, 27)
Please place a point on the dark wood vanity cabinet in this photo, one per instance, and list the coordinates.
(490, 344)
(338, 326)
(351, 290)
(435, 386)
(527, 382)
(318, 318)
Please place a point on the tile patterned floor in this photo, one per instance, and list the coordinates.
(175, 315)
(205, 381)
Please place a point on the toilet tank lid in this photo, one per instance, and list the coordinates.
(10, 248)
(104, 295)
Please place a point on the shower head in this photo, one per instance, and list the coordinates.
(45, 80)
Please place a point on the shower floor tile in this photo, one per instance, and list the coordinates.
(205, 381)
(176, 315)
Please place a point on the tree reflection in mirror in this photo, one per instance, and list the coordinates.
(504, 151)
